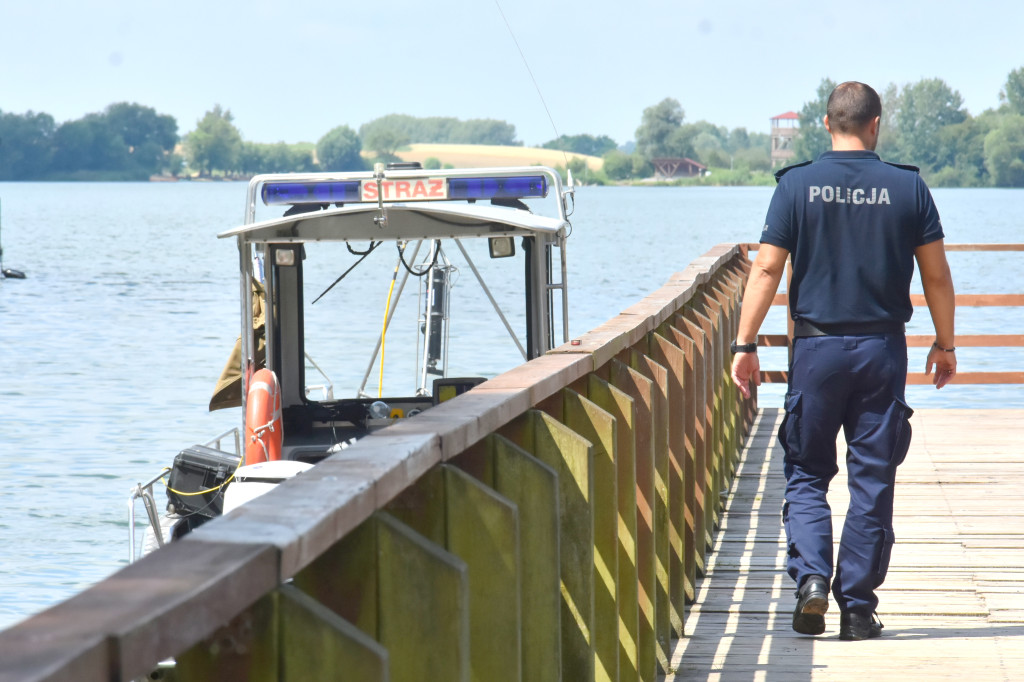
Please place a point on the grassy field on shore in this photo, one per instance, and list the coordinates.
(482, 156)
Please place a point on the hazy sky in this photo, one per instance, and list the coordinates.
(291, 71)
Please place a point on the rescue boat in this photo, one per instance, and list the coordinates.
(304, 239)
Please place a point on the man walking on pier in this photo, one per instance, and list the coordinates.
(853, 226)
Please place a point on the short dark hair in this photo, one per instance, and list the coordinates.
(852, 106)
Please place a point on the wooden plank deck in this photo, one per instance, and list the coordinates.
(953, 602)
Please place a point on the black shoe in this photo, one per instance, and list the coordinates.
(857, 626)
(811, 605)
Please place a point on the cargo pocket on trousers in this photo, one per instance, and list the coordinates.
(790, 545)
(901, 424)
(884, 556)
(789, 431)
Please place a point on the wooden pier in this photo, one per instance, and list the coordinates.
(609, 511)
(953, 601)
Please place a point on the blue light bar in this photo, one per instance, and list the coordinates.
(404, 189)
(277, 193)
(511, 187)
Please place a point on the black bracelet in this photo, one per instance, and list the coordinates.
(944, 350)
(743, 348)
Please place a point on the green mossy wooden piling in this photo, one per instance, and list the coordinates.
(344, 578)
(672, 358)
(483, 530)
(640, 390)
(658, 376)
(620, 406)
(591, 422)
(572, 457)
(246, 649)
(318, 644)
(424, 606)
(533, 487)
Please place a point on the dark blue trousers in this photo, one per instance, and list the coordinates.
(856, 383)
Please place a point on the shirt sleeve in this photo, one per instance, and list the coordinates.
(931, 224)
(778, 224)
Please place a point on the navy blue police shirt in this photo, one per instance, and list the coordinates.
(851, 223)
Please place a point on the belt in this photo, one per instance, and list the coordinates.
(804, 328)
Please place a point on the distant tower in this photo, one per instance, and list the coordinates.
(784, 128)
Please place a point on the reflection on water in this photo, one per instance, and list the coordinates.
(111, 347)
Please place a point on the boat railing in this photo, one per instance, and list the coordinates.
(326, 388)
(963, 300)
(217, 441)
(144, 492)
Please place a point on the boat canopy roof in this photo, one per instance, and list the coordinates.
(403, 203)
(405, 222)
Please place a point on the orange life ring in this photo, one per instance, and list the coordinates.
(263, 431)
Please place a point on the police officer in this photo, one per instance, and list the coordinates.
(853, 226)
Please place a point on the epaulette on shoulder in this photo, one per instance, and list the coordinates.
(782, 171)
(904, 166)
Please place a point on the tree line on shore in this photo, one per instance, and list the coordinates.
(925, 123)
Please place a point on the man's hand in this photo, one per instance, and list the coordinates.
(765, 274)
(943, 361)
(941, 299)
(746, 368)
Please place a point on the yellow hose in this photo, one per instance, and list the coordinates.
(384, 331)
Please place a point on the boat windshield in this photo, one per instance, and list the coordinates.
(342, 327)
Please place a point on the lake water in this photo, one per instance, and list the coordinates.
(110, 348)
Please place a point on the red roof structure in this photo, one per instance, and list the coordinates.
(669, 168)
(785, 128)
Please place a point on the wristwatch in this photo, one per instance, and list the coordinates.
(744, 348)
